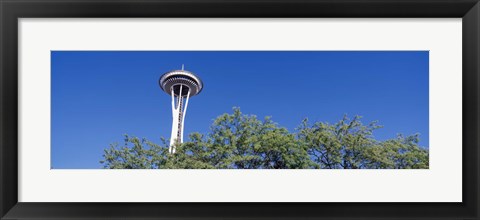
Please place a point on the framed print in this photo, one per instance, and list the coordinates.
(315, 109)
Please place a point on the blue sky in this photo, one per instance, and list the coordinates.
(97, 96)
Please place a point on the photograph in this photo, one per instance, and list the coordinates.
(239, 109)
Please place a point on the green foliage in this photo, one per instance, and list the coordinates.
(239, 141)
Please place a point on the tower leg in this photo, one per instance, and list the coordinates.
(183, 115)
(173, 137)
(178, 116)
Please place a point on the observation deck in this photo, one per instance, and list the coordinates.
(172, 80)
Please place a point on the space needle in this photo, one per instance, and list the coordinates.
(180, 85)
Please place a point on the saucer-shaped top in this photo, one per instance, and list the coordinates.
(175, 79)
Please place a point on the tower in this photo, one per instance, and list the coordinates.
(180, 85)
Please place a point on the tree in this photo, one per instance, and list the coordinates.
(349, 144)
(239, 141)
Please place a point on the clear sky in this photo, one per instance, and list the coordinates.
(98, 96)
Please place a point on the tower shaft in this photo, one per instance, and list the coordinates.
(178, 115)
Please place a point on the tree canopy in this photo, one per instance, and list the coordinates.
(240, 141)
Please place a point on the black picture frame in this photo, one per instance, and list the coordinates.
(11, 10)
